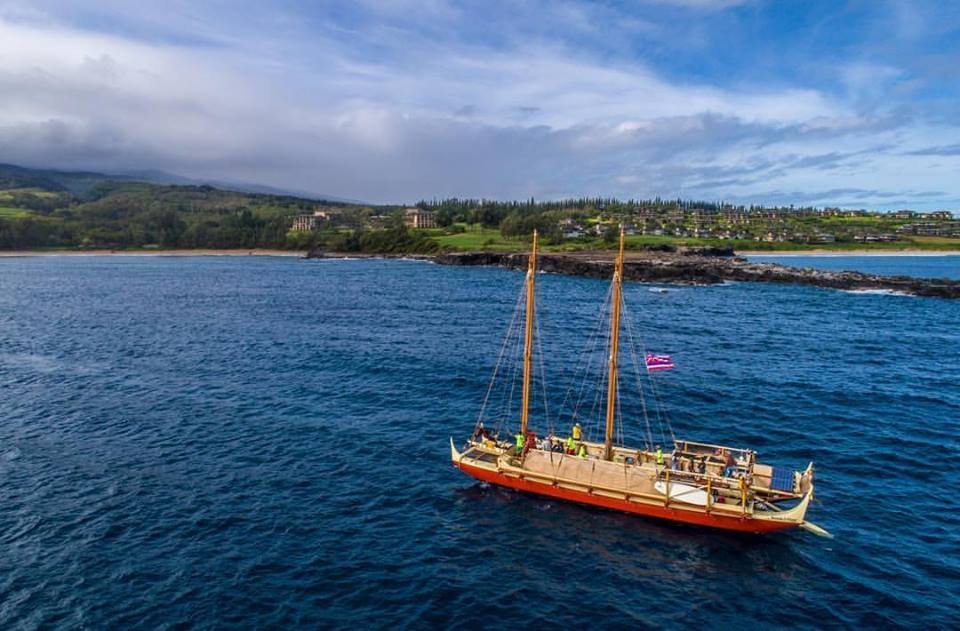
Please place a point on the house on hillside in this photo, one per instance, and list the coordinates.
(904, 214)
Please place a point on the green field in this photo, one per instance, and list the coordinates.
(11, 213)
(36, 192)
(477, 239)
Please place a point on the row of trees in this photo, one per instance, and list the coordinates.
(165, 228)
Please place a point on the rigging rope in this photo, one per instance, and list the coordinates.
(662, 417)
(636, 371)
(588, 353)
(496, 368)
(591, 353)
(517, 368)
(543, 375)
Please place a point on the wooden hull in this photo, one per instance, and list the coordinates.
(744, 523)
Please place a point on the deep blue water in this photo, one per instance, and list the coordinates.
(923, 266)
(263, 442)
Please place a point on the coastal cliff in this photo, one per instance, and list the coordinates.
(699, 266)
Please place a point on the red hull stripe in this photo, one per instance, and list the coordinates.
(740, 524)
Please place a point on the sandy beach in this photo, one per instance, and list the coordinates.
(197, 252)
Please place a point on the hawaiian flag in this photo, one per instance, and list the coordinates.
(658, 362)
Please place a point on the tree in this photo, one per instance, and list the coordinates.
(611, 234)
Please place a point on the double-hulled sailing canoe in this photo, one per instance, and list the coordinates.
(697, 483)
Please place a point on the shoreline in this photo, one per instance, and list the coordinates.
(361, 255)
(820, 252)
(706, 269)
(191, 252)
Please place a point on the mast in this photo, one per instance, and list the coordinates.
(615, 301)
(528, 335)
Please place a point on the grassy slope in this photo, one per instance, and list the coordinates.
(11, 213)
(477, 238)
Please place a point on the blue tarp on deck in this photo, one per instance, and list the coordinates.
(782, 479)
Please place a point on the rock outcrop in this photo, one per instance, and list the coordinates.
(697, 266)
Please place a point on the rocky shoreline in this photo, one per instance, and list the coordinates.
(696, 266)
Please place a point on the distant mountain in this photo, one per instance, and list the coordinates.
(81, 182)
(76, 182)
(162, 177)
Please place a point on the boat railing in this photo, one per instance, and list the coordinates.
(735, 484)
(705, 448)
(717, 481)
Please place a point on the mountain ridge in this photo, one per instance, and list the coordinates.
(81, 182)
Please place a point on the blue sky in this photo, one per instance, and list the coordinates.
(826, 103)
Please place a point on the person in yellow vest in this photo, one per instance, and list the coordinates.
(577, 432)
(583, 451)
(519, 438)
(659, 455)
(571, 445)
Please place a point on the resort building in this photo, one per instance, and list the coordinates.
(419, 218)
(306, 223)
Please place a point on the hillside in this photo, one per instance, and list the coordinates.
(50, 209)
(59, 209)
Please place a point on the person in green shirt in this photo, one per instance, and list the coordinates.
(659, 455)
(583, 451)
(519, 438)
(571, 445)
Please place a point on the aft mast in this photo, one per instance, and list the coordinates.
(615, 301)
(528, 335)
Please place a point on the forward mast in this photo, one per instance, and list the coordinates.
(615, 299)
(528, 334)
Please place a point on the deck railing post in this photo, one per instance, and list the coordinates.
(666, 501)
(709, 495)
(743, 495)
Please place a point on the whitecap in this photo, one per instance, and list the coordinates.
(878, 292)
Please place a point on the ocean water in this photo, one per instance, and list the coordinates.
(263, 442)
(923, 266)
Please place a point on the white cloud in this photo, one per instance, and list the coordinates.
(418, 119)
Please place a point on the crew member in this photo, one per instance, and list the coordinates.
(731, 464)
(519, 438)
(659, 456)
(583, 451)
(571, 445)
(577, 432)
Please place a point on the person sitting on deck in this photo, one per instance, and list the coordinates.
(520, 441)
(675, 461)
(702, 465)
(659, 456)
(583, 451)
(577, 432)
(481, 432)
(571, 445)
(730, 465)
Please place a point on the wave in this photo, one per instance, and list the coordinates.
(878, 292)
